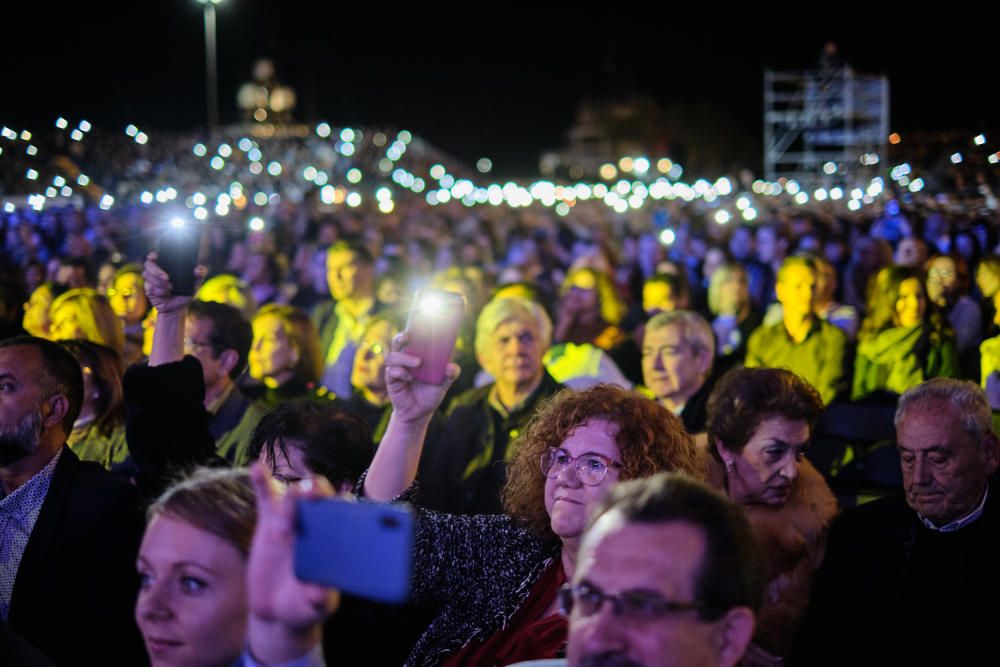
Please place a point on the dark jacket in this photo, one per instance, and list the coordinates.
(463, 469)
(166, 424)
(76, 586)
(376, 416)
(233, 425)
(892, 591)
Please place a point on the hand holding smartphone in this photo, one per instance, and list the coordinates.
(433, 324)
(361, 548)
(177, 254)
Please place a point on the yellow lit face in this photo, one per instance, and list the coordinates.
(272, 352)
(66, 324)
(128, 299)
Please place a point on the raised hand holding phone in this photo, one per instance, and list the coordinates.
(413, 404)
(432, 329)
(177, 255)
(418, 370)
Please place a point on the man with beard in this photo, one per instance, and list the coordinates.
(69, 532)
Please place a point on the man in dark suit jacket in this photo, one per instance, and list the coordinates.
(913, 580)
(70, 532)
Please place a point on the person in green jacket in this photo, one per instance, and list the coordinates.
(901, 343)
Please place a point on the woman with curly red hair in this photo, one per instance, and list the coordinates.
(492, 579)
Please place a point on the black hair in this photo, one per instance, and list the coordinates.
(334, 444)
(733, 570)
(230, 331)
(60, 374)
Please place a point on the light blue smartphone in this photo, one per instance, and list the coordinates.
(361, 548)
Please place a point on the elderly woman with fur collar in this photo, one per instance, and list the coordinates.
(759, 423)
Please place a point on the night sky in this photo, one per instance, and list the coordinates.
(478, 79)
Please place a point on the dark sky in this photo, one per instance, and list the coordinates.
(478, 79)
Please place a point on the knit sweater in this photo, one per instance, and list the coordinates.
(475, 572)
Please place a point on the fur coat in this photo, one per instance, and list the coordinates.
(794, 540)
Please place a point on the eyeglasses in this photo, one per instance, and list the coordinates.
(190, 344)
(372, 349)
(590, 468)
(627, 605)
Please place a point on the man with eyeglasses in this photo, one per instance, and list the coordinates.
(217, 336)
(668, 574)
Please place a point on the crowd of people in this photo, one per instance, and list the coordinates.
(624, 420)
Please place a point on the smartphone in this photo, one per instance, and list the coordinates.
(361, 548)
(433, 324)
(177, 254)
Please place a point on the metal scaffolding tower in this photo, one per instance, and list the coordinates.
(825, 127)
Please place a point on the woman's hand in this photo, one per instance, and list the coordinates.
(286, 614)
(158, 288)
(413, 400)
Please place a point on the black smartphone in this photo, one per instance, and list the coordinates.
(177, 254)
(433, 324)
(361, 548)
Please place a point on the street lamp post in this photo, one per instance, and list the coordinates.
(211, 83)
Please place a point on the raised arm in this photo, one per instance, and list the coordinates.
(168, 337)
(413, 404)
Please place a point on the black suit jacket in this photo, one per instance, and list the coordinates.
(76, 586)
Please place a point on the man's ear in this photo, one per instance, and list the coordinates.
(228, 360)
(58, 407)
(705, 362)
(989, 453)
(732, 636)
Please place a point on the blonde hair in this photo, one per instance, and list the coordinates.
(95, 317)
(230, 290)
(219, 501)
(611, 305)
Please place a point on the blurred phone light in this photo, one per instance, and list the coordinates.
(431, 304)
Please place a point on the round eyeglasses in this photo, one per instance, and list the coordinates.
(590, 468)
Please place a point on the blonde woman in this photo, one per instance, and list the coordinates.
(84, 314)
